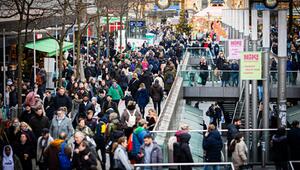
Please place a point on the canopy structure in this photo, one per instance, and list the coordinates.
(49, 46)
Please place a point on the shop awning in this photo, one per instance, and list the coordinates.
(49, 46)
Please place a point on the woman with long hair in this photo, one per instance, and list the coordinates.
(239, 155)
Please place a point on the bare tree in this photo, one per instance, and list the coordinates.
(27, 12)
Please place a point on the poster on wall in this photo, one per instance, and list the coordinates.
(251, 66)
(236, 46)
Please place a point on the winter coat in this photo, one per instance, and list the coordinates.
(147, 79)
(17, 162)
(123, 81)
(293, 138)
(83, 108)
(142, 97)
(115, 92)
(80, 163)
(167, 74)
(279, 148)
(62, 101)
(22, 149)
(64, 126)
(52, 151)
(239, 155)
(232, 132)
(156, 93)
(125, 116)
(133, 87)
(182, 152)
(155, 155)
(121, 158)
(213, 144)
(138, 140)
(86, 130)
(39, 149)
(37, 123)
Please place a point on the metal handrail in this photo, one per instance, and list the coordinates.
(184, 164)
(221, 130)
(291, 164)
(237, 104)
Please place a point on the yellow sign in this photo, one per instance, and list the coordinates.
(251, 66)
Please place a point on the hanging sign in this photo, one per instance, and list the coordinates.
(251, 66)
(236, 46)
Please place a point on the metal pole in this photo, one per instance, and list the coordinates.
(34, 58)
(263, 153)
(4, 73)
(266, 60)
(282, 53)
(254, 86)
(245, 18)
(87, 41)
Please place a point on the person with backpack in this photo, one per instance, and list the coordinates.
(138, 138)
(130, 117)
(58, 154)
(120, 155)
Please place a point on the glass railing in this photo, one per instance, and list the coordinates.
(193, 77)
(210, 78)
(179, 166)
(201, 52)
(292, 78)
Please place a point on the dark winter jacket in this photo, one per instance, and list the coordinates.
(213, 144)
(156, 154)
(182, 152)
(279, 148)
(156, 92)
(133, 87)
(232, 132)
(81, 164)
(142, 97)
(37, 123)
(62, 101)
(147, 79)
(293, 138)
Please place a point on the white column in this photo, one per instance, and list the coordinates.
(254, 25)
(246, 22)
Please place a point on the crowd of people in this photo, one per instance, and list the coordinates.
(109, 112)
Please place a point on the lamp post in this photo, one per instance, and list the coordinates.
(34, 58)
(4, 72)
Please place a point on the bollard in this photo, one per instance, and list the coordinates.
(263, 154)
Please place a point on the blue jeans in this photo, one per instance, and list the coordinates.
(211, 167)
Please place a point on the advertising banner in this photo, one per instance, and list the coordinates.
(251, 66)
(236, 46)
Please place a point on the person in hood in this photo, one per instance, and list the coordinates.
(9, 161)
(157, 94)
(25, 151)
(182, 151)
(51, 152)
(279, 149)
(212, 145)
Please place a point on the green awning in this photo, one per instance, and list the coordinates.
(49, 46)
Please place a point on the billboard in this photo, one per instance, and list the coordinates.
(251, 66)
(236, 46)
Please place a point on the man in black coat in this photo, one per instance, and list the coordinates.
(147, 79)
(85, 106)
(157, 94)
(293, 138)
(39, 122)
(62, 100)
